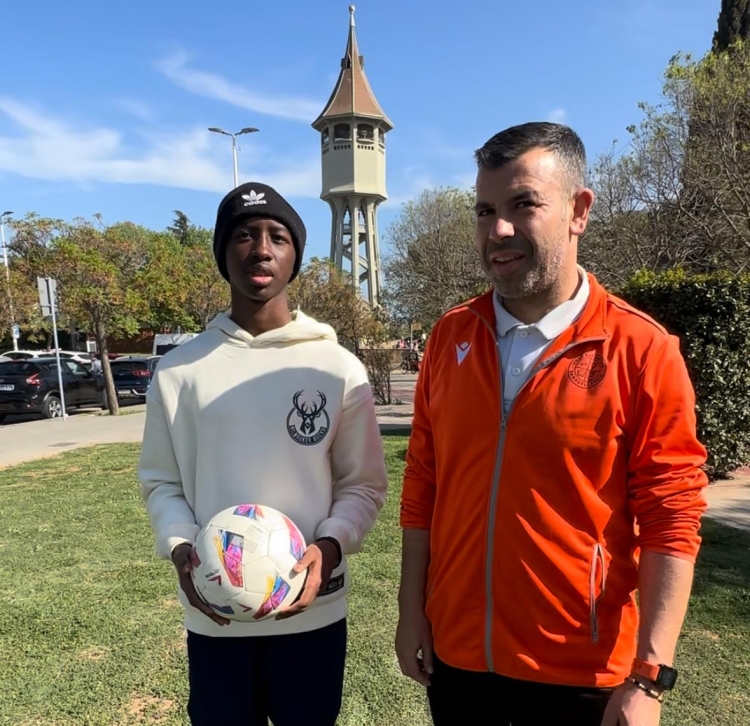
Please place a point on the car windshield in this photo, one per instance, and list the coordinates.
(18, 368)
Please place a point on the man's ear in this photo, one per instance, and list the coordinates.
(582, 203)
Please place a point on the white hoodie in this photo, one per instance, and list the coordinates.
(222, 429)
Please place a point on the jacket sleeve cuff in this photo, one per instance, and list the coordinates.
(343, 532)
(409, 520)
(337, 545)
(417, 505)
(681, 554)
(177, 534)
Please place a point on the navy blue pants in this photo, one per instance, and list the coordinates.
(291, 679)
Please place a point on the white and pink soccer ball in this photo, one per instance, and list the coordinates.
(243, 562)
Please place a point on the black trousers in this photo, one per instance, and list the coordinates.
(291, 679)
(459, 697)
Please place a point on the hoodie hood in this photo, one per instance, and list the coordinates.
(301, 329)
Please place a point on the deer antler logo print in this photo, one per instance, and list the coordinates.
(308, 421)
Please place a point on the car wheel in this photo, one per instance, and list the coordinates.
(52, 408)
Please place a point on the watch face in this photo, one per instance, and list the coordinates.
(667, 678)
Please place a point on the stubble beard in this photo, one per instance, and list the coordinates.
(540, 278)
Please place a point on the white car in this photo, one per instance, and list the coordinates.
(77, 356)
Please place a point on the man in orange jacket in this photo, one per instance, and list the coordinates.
(553, 471)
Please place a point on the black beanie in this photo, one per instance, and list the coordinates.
(255, 200)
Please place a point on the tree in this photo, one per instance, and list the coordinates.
(165, 281)
(680, 197)
(96, 270)
(187, 233)
(30, 255)
(200, 237)
(322, 291)
(180, 227)
(181, 280)
(208, 290)
(733, 24)
(325, 293)
(378, 356)
(433, 264)
(26, 313)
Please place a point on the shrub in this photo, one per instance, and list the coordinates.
(711, 315)
(379, 365)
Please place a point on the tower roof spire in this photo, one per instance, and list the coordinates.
(352, 95)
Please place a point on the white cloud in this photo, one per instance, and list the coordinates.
(413, 180)
(558, 116)
(212, 85)
(56, 150)
(136, 108)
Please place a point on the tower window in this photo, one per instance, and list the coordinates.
(342, 132)
(381, 136)
(365, 132)
(325, 137)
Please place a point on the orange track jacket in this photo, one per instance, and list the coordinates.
(536, 520)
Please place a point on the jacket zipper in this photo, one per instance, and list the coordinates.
(496, 475)
(598, 563)
(491, 525)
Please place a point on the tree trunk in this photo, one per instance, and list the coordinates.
(109, 382)
(73, 334)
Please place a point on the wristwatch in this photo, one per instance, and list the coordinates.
(662, 676)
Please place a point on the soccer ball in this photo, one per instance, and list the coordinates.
(243, 559)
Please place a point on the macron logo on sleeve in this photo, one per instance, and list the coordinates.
(462, 350)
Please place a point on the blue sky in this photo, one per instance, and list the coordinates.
(104, 106)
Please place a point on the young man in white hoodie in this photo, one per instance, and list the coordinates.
(264, 407)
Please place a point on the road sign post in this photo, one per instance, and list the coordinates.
(48, 302)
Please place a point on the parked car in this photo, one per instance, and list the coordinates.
(132, 375)
(164, 342)
(32, 386)
(77, 356)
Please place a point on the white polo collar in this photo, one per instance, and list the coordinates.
(555, 321)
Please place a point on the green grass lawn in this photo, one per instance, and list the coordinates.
(91, 632)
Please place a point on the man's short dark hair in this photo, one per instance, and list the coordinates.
(515, 141)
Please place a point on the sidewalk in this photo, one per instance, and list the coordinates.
(39, 439)
(729, 501)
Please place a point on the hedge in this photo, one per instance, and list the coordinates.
(711, 315)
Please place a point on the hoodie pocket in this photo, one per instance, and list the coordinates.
(597, 586)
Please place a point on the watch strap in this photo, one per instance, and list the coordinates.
(660, 675)
(646, 670)
(650, 692)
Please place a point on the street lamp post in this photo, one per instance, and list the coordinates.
(247, 130)
(7, 280)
